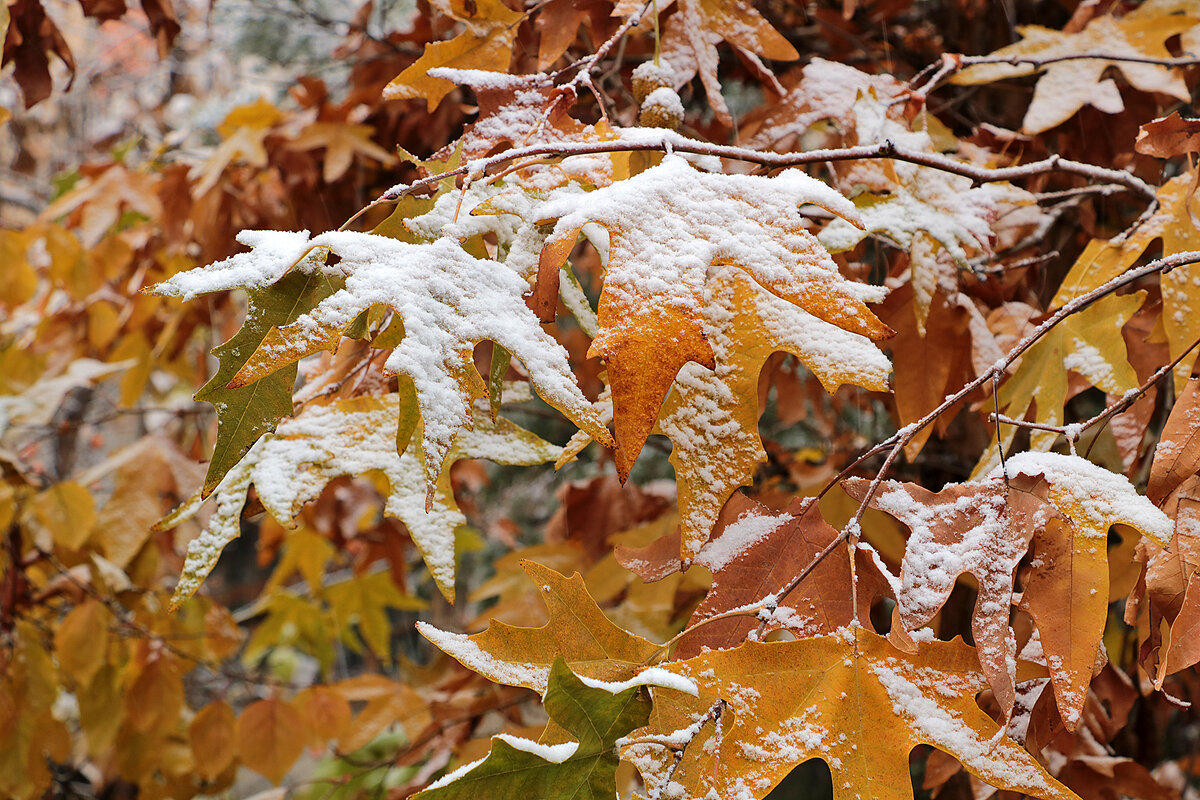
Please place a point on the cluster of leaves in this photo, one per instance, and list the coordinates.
(919, 334)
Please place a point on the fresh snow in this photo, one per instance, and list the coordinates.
(654, 676)
(553, 753)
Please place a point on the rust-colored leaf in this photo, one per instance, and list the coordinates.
(1177, 454)
(1170, 136)
(270, 735)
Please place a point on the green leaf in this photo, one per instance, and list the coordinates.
(246, 413)
(596, 718)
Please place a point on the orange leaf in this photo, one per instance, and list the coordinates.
(850, 699)
(326, 711)
(1169, 136)
(486, 44)
(270, 736)
(1177, 454)
(666, 227)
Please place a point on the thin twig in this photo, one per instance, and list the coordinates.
(661, 140)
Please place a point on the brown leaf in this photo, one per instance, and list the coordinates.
(982, 528)
(211, 735)
(32, 37)
(589, 512)
(1177, 454)
(1167, 137)
(753, 554)
(270, 736)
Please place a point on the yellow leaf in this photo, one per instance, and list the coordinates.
(81, 641)
(100, 710)
(364, 600)
(211, 735)
(486, 44)
(67, 512)
(578, 630)
(304, 551)
(270, 736)
(1088, 342)
(342, 141)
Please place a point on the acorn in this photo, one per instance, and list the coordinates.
(649, 76)
(662, 108)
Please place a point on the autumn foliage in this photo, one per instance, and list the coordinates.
(665, 400)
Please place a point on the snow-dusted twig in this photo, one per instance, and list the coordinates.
(678, 743)
(952, 63)
(654, 139)
(1124, 402)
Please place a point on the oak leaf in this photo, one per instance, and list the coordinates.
(1089, 343)
(486, 43)
(447, 301)
(592, 645)
(983, 528)
(1176, 221)
(594, 716)
(342, 142)
(850, 699)
(278, 294)
(1067, 86)
(666, 227)
(351, 437)
(1170, 136)
(1071, 557)
(698, 26)
(711, 416)
(754, 555)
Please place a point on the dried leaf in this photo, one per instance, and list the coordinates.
(1067, 86)
(211, 734)
(270, 736)
(1170, 136)
(1177, 454)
